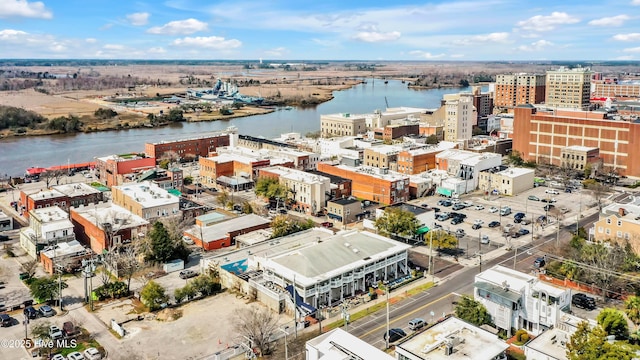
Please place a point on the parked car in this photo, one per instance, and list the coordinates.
(417, 324)
(567, 190)
(92, 354)
(523, 231)
(548, 207)
(5, 320)
(478, 221)
(46, 311)
(479, 207)
(54, 332)
(4, 238)
(394, 335)
(508, 228)
(493, 209)
(476, 226)
(327, 224)
(459, 232)
(583, 301)
(445, 203)
(75, 356)
(186, 274)
(58, 357)
(525, 221)
(68, 329)
(533, 198)
(458, 206)
(30, 312)
(467, 204)
(494, 224)
(505, 211)
(456, 220)
(552, 192)
(435, 209)
(484, 239)
(539, 263)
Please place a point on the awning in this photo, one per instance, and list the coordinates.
(422, 230)
(174, 192)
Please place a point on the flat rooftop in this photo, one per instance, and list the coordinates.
(345, 201)
(330, 343)
(515, 172)
(344, 250)
(118, 216)
(76, 189)
(220, 229)
(374, 172)
(468, 342)
(148, 194)
(551, 343)
(580, 148)
(63, 249)
(46, 194)
(296, 175)
(49, 214)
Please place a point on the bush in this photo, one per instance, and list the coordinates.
(114, 290)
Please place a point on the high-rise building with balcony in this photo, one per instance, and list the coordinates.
(515, 89)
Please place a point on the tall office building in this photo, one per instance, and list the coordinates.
(516, 89)
(459, 118)
(568, 88)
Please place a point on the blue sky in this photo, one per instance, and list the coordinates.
(321, 30)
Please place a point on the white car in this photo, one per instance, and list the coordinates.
(484, 239)
(455, 201)
(468, 203)
(479, 207)
(493, 209)
(552, 192)
(92, 354)
(478, 221)
(58, 357)
(55, 332)
(75, 356)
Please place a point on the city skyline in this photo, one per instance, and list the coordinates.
(406, 30)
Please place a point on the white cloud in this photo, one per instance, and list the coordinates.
(535, 46)
(277, 52)
(624, 57)
(138, 19)
(497, 37)
(547, 23)
(627, 37)
(91, 40)
(211, 42)
(374, 36)
(157, 50)
(113, 47)
(635, 2)
(425, 55)
(610, 21)
(179, 27)
(632, 50)
(11, 35)
(23, 8)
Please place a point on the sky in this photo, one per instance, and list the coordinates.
(472, 30)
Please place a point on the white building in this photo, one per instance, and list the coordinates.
(509, 181)
(460, 115)
(452, 339)
(146, 199)
(465, 165)
(308, 190)
(47, 226)
(338, 344)
(517, 300)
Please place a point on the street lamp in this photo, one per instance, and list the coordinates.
(386, 338)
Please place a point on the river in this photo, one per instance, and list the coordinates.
(19, 153)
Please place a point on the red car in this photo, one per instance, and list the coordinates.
(327, 224)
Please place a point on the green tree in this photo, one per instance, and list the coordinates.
(613, 322)
(45, 288)
(441, 239)
(153, 295)
(188, 180)
(632, 309)
(397, 222)
(464, 83)
(205, 285)
(247, 208)
(270, 188)
(283, 226)
(588, 343)
(176, 115)
(161, 244)
(472, 311)
(432, 139)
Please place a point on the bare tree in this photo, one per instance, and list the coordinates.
(48, 177)
(29, 267)
(128, 264)
(598, 190)
(58, 175)
(258, 324)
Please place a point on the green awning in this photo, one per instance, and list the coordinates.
(443, 191)
(422, 230)
(174, 192)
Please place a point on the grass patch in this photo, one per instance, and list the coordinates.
(419, 289)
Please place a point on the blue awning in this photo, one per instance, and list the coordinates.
(299, 302)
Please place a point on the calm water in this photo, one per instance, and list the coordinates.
(17, 154)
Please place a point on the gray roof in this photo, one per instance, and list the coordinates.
(336, 252)
(220, 230)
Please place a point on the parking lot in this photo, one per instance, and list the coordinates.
(481, 212)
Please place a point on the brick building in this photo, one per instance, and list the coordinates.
(394, 131)
(340, 187)
(540, 136)
(618, 90)
(115, 170)
(516, 89)
(222, 234)
(377, 185)
(146, 200)
(188, 148)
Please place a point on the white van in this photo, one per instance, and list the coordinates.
(505, 211)
(417, 324)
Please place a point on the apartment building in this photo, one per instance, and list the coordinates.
(379, 185)
(189, 149)
(67, 256)
(509, 181)
(146, 200)
(568, 88)
(512, 90)
(106, 225)
(339, 186)
(309, 191)
(540, 136)
(517, 300)
(237, 163)
(619, 223)
(483, 102)
(47, 226)
(416, 161)
(620, 90)
(460, 116)
(344, 210)
(344, 124)
(395, 131)
(115, 170)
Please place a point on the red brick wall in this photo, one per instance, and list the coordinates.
(367, 187)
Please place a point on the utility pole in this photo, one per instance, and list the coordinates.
(286, 346)
(431, 255)
(386, 337)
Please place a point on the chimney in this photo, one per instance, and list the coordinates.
(622, 211)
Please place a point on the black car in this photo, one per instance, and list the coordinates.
(30, 312)
(539, 263)
(4, 238)
(518, 217)
(456, 220)
(5, 320)
(583, 301)
(548, 207)
(395, 334)
(523, 231)
(494, 224)
(435, 209)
